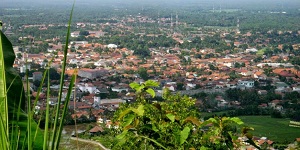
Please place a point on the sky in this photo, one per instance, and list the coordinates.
(171, 3)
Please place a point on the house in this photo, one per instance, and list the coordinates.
(37, 76)
(296, 88)
(254, 50)
(262, 92)
(245, 73)
(274, 103)
(282, 87)
(23, 68)
(119, 89)
(109, 124)
(75, 34)
(87, 87)
(263, 105)
(92, 73)
(260, 75)
(221, 103)
(112, 46)
(96, 130)
(246, 83)
(170, 87)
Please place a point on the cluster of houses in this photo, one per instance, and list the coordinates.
(97, 71)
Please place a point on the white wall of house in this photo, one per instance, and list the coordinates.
(248, 84)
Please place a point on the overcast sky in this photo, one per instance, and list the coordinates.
(224, 3)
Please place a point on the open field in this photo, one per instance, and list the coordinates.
(260, 52)
(274, 128)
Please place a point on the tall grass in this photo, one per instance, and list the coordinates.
(18, 130)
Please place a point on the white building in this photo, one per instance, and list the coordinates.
(112, 46)
(87, 87)
(246, 83)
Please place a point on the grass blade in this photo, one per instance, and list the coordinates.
(29, 138)
(47, 114)
(62, 80)
(65, 110)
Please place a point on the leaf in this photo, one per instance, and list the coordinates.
(171, 117)
(122, 135)
(9, 77)
(247, 129)
(237, 120)
(157, 143)
(134, 85)
(128, 119)
(151, 83)
(139, 111)
(157, 105)
(194, 120)
(12, 100)
(154, 128)
(214, 121)
(151, 92)
(125, 112)
(203, 148)
(184, 135)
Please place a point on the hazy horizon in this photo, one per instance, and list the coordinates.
(237, 4)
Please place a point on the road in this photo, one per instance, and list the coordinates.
(89, 141)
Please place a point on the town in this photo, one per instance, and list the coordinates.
(228, 70)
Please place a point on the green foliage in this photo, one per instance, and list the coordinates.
(14, 124)
(143, 73)
(17, 127)
(170, 124)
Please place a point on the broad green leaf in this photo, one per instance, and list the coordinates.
(139, 111)
(151, 92)
(128, 119)
(122, 135)
(125, 112)
(184, 134)
(171, 117)
(139, 89)
(214, 121)
(237, 120)
(151, 83)
(134, 85)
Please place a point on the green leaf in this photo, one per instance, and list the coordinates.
(214, 121)
(247, 129)
(151, 83)
(128, 119)
(134, 85)
(122, 135)
(171, 117)
(237, 120)
(194, 120)
(203, 148)
(184, 135)
(151, 92)
(139, 111)
(154, 128)
(125, 112)
(139, 89)
(13, 99)
(158, 144)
